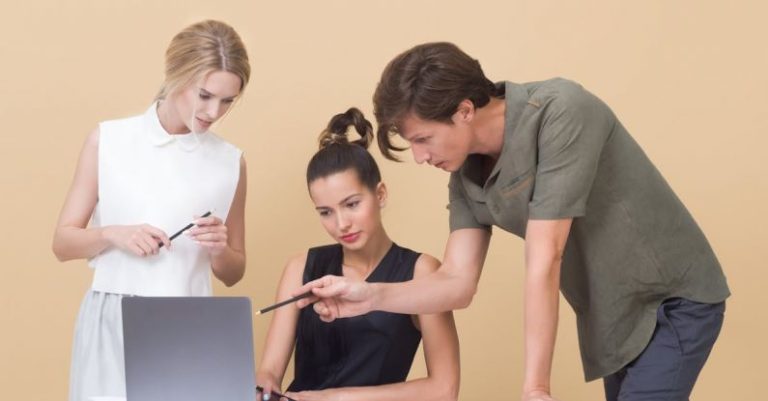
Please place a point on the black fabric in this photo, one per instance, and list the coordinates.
(373, 349)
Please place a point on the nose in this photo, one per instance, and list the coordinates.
(419, 154)
(343, 222)
(213, 110)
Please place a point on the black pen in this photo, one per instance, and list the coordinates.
(286, 302)
(190, 225)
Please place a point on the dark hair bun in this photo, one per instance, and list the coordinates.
(336, 132)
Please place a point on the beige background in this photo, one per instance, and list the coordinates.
(688, 79)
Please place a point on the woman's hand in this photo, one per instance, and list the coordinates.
(140, 240)
(322, 395)
(268, 384)
(210, 233)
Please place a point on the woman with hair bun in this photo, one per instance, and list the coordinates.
(366, 357)
(142, 178)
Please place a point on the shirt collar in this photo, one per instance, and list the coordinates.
(516, 98)
(158, 136)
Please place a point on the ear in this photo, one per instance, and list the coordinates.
(381, 194)
(465, 112)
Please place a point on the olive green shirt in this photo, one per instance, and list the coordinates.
(632, 243)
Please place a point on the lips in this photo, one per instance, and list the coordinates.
(350, 237)
(202, 122)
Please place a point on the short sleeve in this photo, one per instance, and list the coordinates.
(572, 136)
(460, 213)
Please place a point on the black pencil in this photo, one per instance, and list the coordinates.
(190, 225)
(286, 302)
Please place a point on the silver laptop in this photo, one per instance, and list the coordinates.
(188, 348)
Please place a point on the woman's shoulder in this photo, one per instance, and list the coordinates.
(132, 119)
(425, 264)
(296, 262)
(322, 260)
(323, 249)
(319, 255)
(120, 129)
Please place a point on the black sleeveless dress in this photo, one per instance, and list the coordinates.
(373, 349)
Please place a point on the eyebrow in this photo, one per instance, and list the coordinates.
(412, 136)
(205, 92)
(345, 200)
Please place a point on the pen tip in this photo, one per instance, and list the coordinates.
(258, 312)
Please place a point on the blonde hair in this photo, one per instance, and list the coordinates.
(202, 48)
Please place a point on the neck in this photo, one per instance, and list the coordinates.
(366, 259)
(169, 119)
(489, 128)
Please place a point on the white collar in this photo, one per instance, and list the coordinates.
(158, 136)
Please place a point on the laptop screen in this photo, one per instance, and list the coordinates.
(188, 348)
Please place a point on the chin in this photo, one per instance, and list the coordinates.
(449, 168)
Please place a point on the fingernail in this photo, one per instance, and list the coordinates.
(266, 396)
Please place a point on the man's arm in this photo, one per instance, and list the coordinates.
(544, 244)
(451, 287)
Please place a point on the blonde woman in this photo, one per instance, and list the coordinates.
(142, 178)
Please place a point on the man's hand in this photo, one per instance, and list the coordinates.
(337, 297)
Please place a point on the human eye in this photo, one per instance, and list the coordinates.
(204, 94)
(353, 204)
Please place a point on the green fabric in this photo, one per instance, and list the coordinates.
(632, 242)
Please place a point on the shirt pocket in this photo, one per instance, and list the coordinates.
(510, 202)
(482, 212)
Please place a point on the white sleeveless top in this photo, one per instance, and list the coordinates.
(147, 176)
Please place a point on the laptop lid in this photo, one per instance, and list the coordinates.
(188, 348)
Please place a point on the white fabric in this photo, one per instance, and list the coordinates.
(98, 367)
(147, 176)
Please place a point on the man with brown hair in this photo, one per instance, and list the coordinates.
(551, 163)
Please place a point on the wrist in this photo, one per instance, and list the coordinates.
(536, 384)
(375, 296)
(535, 390)
(218, 253)
(267, 377)
(105, 234)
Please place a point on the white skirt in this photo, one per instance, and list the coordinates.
(98, 367)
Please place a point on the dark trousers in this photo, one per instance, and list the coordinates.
(668, 367)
